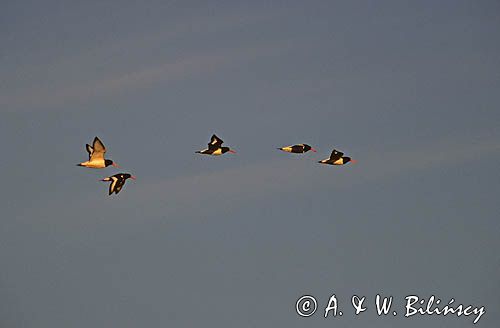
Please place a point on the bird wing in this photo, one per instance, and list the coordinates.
(119, 184)
(112, 185)
(98, 150)
(336, 154)
(89, 149)
(215, 142)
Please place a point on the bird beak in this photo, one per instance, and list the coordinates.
(116, 165)
(232, 151)
(133, 177)
(353, 161)
(314, 150)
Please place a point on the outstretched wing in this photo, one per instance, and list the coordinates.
(90, 150)
(215, 142)
(98, 150)
(336, 154)
(114, 182)
(119, 185)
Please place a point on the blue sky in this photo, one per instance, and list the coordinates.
(409, 89)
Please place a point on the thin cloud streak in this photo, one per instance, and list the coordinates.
(229, 188)
(172, 71)
(39, 94)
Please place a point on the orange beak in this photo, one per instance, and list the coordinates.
(353, 161)
(314, 150)
(133, 177)
(116, 165)
(232, 151)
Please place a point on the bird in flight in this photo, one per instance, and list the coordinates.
(96, 156)
(215, 147)
(117, 182)
(298, 149)
(337, 158)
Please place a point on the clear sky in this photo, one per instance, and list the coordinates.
(408, 88)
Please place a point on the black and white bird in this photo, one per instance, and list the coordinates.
(298, 149)
(337, 158)
(96, 156)
(215, 147)
(117, 182)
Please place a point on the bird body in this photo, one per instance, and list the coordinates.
(96, 164)
(215, 152)
(297, 149)
(96, 156)
(337, 158)
(117, 182)
(215, 147)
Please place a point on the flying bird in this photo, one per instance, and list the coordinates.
(96, 156)
(215, 147)
(337, 158)
(298, 149)
(117, 182)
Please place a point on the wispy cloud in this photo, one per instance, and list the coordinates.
(228, 188)
(65, 80)
(170, 71)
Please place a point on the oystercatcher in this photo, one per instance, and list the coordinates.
(96, 156)
(117, 182)
(215, 147)
(337, 158)
(298, 149)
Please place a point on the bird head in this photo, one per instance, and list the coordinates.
(109, 162)
(307, 148)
